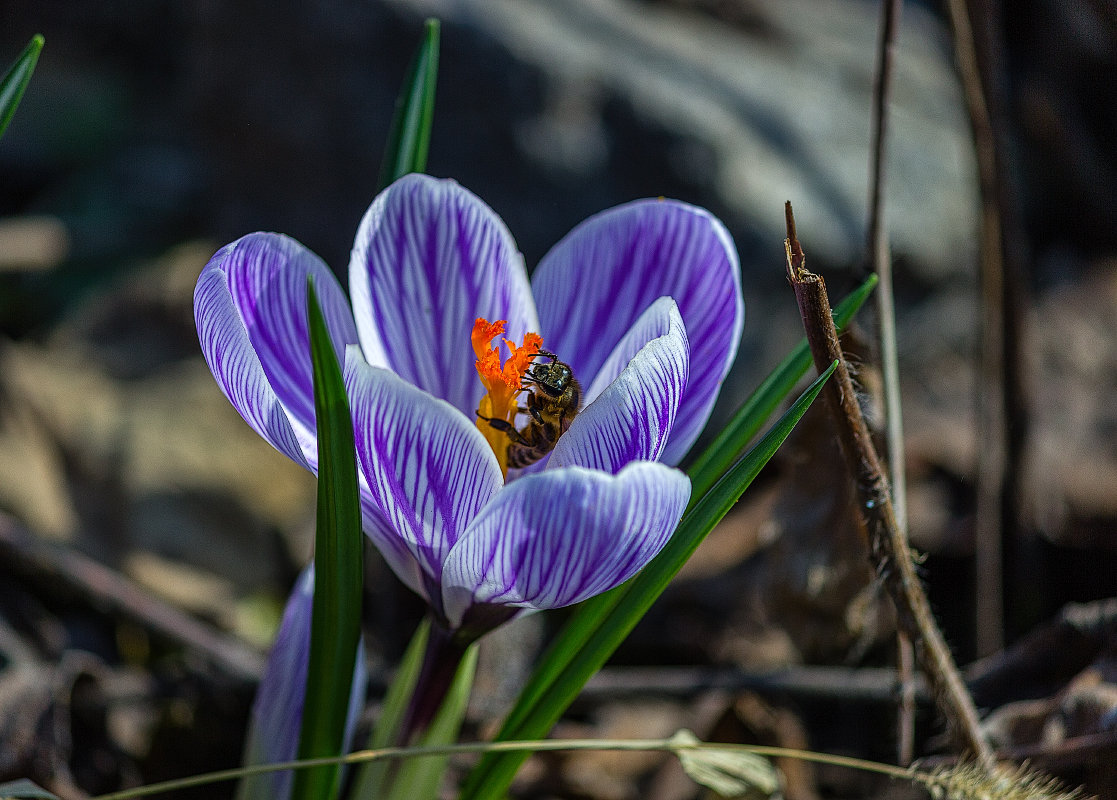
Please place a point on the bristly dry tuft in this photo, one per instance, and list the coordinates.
(971, 782)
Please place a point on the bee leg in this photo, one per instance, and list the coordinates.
(532, 411)
(505, 427)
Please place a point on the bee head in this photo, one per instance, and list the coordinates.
(552, 377)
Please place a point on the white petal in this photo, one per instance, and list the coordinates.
(429, 470)
(430, 258)
(561, 536)
(594, 284)
(250, 308)
(632, 418)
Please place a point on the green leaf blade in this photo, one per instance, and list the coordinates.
(704, 472)
(371, 779)
(15, 80)
(420, 778)
(616, 617)
(753, 413)
(338, 547)
(410, 134)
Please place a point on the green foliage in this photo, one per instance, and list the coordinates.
(410, 135)
(715, 459)
(419, 778)
(338, 571)
(372, 778)
(15, 80)
(600, 624)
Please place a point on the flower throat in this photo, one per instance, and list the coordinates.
(553, 396)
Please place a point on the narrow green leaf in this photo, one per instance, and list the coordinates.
(703, 472)
(549, 698)
(419, 778)
(338, 570)
(751, 416)
(410, 134)
(371, 779)
(15, 80)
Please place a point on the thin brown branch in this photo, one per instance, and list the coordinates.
(881, 259)
(860, 685)
(882, 92)
(112, 592)
(991, 460)
(1001, 399)
(887, 545)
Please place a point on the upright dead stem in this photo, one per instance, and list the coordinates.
(881, 259)
(1002, 407)
(888, 548)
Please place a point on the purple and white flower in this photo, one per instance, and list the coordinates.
(643, 301)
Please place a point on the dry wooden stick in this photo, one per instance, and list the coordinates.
(806, 683)
(881, 260)
(888, 548)
(992, 456)
(112, 592)
(1001, 400)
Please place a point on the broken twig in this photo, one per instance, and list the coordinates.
(888, 548)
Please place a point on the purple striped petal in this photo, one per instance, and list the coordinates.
(561, 536)
(273, 733)
(388, 543)
(429, 258)
(428, 468)
(596, 282)
(632, 418)
(250, 309)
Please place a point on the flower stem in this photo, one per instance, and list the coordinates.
(443, 656)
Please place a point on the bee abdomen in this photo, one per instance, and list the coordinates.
(520, 456)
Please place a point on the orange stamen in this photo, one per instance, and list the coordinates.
(484, 332)
(503, 382)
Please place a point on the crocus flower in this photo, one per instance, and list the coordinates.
(642, 301)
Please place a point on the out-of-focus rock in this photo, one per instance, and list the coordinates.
(32, 243)
(777, 110)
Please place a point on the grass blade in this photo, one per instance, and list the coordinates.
(372, 778)
(616, 617)
(410, 134)
(419, 778)
(703, 472)
(751, 416)
(338, 543)
(15, 80)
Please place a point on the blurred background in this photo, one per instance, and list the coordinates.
(153, 133)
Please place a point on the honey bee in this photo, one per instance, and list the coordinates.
(553, 397)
